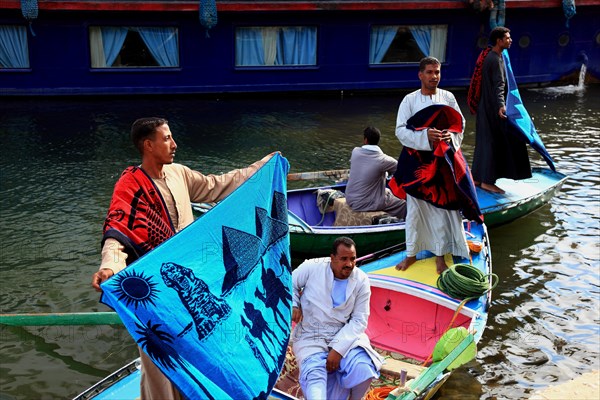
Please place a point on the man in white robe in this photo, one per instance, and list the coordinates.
(331, 309)
(428, 227)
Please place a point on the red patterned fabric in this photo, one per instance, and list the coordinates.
(440, 177)
(475, 86)
(137, 216)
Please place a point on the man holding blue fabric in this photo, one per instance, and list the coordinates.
(150, 203)
(498, 152)
(331, 309)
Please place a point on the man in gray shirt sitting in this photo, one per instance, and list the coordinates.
(369, 168)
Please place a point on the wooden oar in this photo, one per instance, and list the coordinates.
(367, 258)
(111, 318)
(333, 174)
(81, 318)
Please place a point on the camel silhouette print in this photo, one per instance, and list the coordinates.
(274, 293)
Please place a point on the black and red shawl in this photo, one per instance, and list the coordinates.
(474, 94)
(440, 177)
(137, 217)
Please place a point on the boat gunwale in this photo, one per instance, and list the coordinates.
(515, 203)
(135, 367)
(108, 381)
(357, 229)
(398, 226)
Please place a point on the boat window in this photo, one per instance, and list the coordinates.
(126, 47)
(275, 46)
(392, 44)
(524, 41)
(563, 40)
(14, 51)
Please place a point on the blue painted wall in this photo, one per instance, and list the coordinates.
(59, 52)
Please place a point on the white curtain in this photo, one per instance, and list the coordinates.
(106, 43)
(439, 38)
(97, 47)
(269, 39)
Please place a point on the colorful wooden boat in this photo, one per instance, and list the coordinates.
(423, 332)
(311, 232)
(409, 316)
(124, 384)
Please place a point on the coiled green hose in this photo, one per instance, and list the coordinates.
(464, 281)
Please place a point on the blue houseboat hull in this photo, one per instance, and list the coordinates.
(59, 59)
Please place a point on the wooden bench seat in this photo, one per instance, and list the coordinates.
(393, 367)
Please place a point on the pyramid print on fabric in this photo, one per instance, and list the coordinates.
(268, 229)
(241, 253)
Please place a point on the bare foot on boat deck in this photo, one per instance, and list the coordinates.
(440, 264)
(492, 188)
(407, 262)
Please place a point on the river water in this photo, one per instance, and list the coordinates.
(61, 158)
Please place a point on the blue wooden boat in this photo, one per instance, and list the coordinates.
(133, 47)
(124, 384)
(409, 317)
(311, 232)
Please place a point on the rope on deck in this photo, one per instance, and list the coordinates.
(464, 281)
(379, 393)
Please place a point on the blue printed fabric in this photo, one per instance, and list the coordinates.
(212, 304)
(519, 121)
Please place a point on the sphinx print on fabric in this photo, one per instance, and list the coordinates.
(212, 305)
